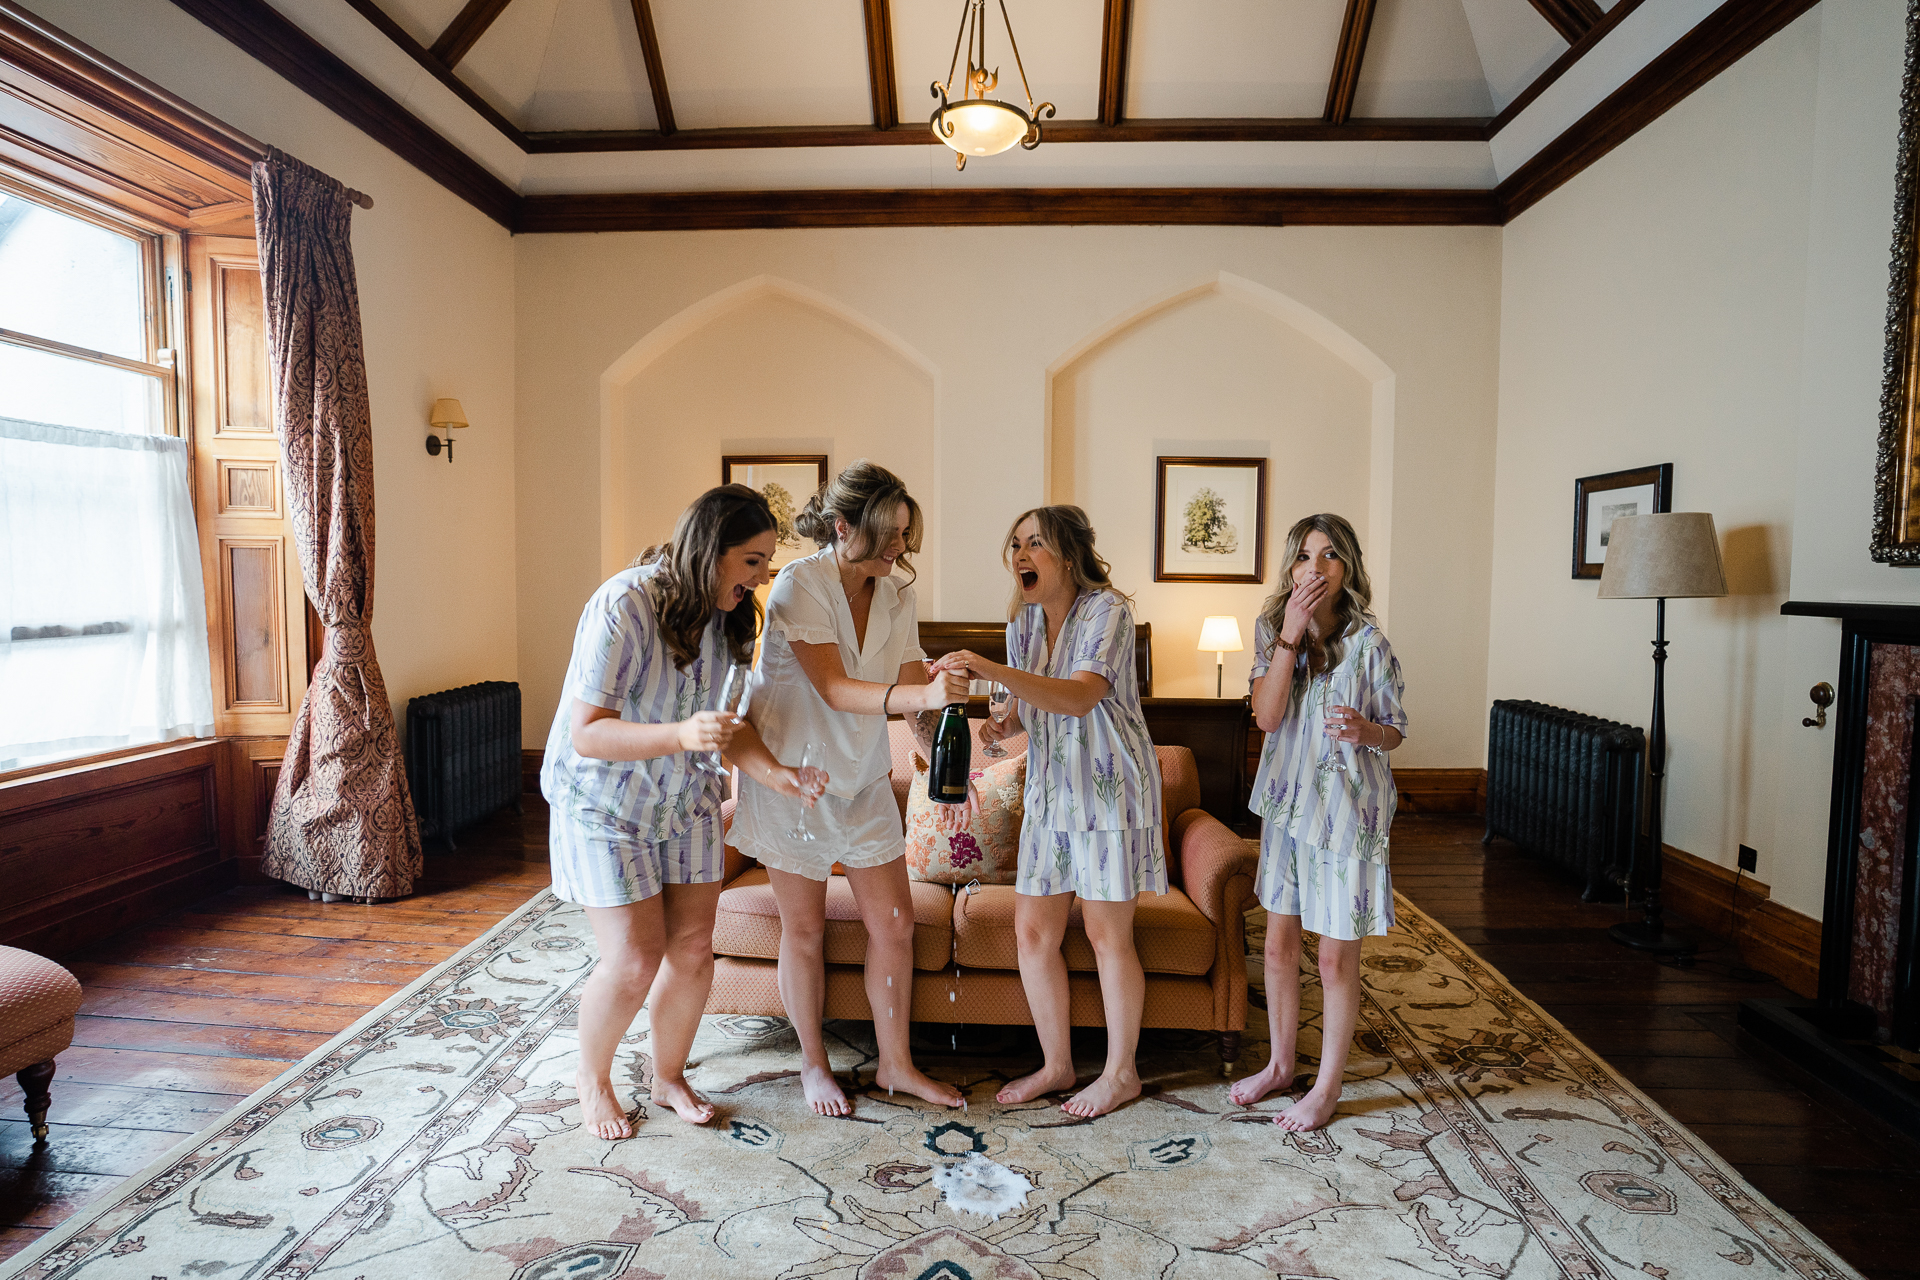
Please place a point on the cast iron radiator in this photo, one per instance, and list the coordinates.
(1565, 787)
(463, 755)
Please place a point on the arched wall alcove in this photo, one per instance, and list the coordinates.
(765, 366)
(1228, 368)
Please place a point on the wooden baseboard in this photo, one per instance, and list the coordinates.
(1769, 937)
(1428, 791)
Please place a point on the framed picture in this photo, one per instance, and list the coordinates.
(1600, 500)
(1210, 520)
(785, 480)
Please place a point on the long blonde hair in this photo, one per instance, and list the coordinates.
(868, 497)
(1352, 607)
(1068, 533)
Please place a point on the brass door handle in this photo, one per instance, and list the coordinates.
(1822, 695)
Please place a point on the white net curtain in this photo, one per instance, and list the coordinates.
(103, 622)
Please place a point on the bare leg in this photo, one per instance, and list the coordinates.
(1283, 1013)
(680, 995)
(631, 940)
(885, 897)
(1340, 1013)
(1123, 992)
(1039, 927)
(803, 984)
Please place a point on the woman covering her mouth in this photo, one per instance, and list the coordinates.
(842, 651)
(635, 833)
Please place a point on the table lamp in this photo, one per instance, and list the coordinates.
(1672, 555)
(1220, 636)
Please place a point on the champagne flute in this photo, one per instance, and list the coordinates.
(735, 692)
(1335, 692)
(999, 706)
(814, 779)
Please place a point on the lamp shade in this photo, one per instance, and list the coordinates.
(1220, 634)
(447, 413)
(1674, 555)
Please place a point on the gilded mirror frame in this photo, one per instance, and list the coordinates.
(1896, 486)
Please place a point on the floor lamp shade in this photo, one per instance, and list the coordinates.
(1671, 555)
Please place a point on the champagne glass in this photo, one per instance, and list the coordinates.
(999, 706)
(813, 778)
(1336, 691)
(735, 692)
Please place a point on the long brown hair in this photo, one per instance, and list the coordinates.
(1352, 608)
(713, 524)
(868, 497)
(1068, 533)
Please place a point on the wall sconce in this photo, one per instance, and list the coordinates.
(447, 416)
(1220, 636)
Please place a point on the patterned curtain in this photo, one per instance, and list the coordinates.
(342, 816)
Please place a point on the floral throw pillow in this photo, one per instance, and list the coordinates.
(989, 849)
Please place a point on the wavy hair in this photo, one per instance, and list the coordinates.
(868, 497)
(1068, 533)
(1352, 608)
(715, 523)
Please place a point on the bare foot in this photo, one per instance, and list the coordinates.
(916, 1082)
(679, 1095)
(1027, 1088)
(600, 1111)
(1102, 1096)
(1272, 1078)
(824, 1094)
(1311, 1112)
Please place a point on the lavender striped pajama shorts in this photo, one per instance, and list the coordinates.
(599, 866)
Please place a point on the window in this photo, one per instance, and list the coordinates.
(103, 639)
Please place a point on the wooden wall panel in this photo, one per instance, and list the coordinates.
(248, 487)
(242, 386)
(255, 618)
(88, 851)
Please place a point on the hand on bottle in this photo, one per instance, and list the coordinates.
(946, 687)
(707, 731)
(953, 818)
(966, 661)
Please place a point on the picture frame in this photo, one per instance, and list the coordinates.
(1210, 520)
(793, 477)
(1599, 500)
(1896, 475)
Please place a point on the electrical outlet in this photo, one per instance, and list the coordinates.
(1749, 858)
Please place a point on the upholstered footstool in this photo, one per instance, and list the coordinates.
(37, 1002)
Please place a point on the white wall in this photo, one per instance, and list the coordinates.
(436, 304)
(1711, 295)
(991, 314)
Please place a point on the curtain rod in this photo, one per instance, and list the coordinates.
(360, 198)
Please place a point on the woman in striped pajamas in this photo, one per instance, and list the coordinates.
(1326, 690)
(635, 831)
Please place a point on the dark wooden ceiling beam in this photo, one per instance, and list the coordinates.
(401, 37)
(1571, 18)
(1116, 31)
(466, 29)
(656, 69)
(1426, 129)
(880, 78)
(1354, 30)
(1562, 64)
(1004, 206)
(1721, 39)
(261, 31)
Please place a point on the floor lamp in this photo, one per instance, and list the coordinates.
(1673, 555)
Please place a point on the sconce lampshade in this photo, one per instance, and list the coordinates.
(447, 413)
(1220, 634)
(1673, 555)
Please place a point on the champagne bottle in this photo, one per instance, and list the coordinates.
(952, 757)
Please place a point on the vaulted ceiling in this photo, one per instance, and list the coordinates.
(591, 101)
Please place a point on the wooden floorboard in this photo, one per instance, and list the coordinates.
(186, 1016)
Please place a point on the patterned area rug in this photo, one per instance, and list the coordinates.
(440, 1138)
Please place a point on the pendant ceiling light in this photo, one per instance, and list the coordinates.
(977, 125)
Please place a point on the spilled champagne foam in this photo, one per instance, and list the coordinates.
(980, 1186)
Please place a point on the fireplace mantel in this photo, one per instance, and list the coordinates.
(1871, 612)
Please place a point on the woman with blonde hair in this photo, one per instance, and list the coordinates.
(842, 652)
(635, 823)
(1326, 691)
(1092, 827)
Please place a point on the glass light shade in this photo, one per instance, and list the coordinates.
(981, 127)
(447, 413)
(1220, 634)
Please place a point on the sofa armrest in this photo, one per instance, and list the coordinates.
(735, 862)
(1217, 867)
